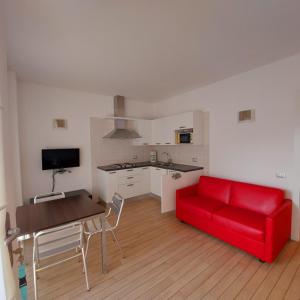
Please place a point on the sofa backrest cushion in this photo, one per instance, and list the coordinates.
(256, 198)
(215, 188)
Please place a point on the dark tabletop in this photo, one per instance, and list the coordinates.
(35, 217)
(173, 166)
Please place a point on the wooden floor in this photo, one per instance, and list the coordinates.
(167, 259)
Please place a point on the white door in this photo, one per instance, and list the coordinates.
(7, 281)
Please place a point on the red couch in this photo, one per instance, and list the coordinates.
(251, 217)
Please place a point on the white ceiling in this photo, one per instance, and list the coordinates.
(146, 49)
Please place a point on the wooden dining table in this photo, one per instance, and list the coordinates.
(32, 218)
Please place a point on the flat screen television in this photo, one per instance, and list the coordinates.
(60, 158)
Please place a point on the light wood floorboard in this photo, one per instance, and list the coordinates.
(166, 259)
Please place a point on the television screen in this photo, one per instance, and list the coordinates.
(60, 158)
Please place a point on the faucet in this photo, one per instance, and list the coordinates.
(169, 159)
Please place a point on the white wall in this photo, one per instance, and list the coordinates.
(38, 106)
(12, 146)
(9, 156)
(3, 101)
(251, 152)
(7, 282)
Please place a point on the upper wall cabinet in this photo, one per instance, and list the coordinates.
(162, 131)
(144, 128)
(184, 121)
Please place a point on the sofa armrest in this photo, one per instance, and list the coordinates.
(278, 230)
(187, 191)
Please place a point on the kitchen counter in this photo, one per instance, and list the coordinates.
(162, 165)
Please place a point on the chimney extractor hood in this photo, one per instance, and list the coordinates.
(121, 130)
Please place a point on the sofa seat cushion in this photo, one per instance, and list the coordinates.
(200, 206)
(246, 222)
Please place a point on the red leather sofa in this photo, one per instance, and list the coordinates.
(251, 217)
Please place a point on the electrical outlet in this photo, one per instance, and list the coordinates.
(281, 175)
(194, 159)
(134, 157)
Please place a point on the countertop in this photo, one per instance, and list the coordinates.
(173, 166)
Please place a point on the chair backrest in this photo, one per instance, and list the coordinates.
(116, 206)
(58, 240)
(48, 197)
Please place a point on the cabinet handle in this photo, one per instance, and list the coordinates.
(112, 172)
(130, 177)
(158, 169)
(167, 143)
(157, 143)
(145, 168)
(129, 170)
(182, 127)
(130, 184)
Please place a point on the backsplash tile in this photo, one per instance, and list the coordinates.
(184, 154)
(110, 151)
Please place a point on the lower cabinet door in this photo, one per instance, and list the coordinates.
(145, 180)
(156, 174)
(129, 190)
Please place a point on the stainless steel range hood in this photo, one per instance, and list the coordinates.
(121, 130)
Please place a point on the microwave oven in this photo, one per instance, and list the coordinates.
(184, 136)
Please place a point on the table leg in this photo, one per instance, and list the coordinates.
(103, 243)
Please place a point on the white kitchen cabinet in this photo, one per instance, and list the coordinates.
(128, 183)
(129, 190)
(163, 129)
(183, 121)
(156, 177)
(145, 180)
(170, 185)
(138, 181)
(174, 172)
(167, 131)
(128, 172)
(108, 184)
(157, 135)
(162, 132)
(144, 129)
